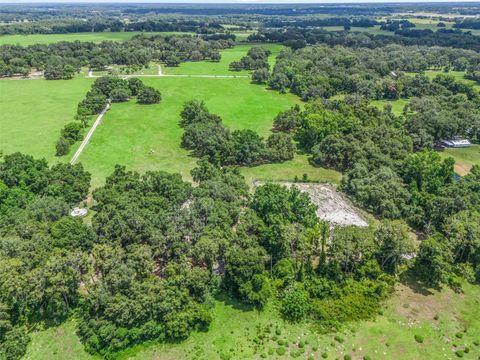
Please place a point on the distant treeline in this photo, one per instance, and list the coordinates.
(298, 38)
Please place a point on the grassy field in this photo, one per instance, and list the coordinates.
(221, 68)
(32, 112)
(26, 40)
(465, 158)
(148, 137)
(374, 30)
(397, 105)
(438, 316)
(289, 169)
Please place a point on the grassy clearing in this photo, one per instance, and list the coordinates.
(148, 137)
(288, 170)
(465, 158)
(435, 315)
(34, 111)
(26, 40)
(221, 68)
(397, 105)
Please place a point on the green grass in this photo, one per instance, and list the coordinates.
(148, 137)
(221, 68)
(32, 112)
(397, 105)
(288, 170)
(465, 158)
(26, 40)
(232, 333)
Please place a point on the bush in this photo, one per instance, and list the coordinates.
(339, 339)
(281, 350)
(120, 95)
(347, 357)
(295, 305)
(324, 355)
(459, 335)
(460, 353)
(62, 146)
(419, 338)
(72, 131)
(301, 344)
(149, 95)
(366, 357)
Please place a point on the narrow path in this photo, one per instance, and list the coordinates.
(89, 135)
(161, 74)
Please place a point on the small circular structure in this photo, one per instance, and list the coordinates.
(78, 212)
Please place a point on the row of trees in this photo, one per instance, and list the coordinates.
(61, 60)
(103, 91)
(208, 138)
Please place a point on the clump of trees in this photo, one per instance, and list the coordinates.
(256, 58)
(207, 137)
(104, 90)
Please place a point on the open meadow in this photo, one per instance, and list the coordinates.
(148, 137)
(34, 111)
(445, 320)
(25, 40)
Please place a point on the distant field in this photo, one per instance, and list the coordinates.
(375, 30)
(221, 68)
(411, 311)
(465, 158)
(32, 112)
(26, 40)
(148, 137)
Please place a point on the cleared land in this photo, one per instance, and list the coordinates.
(26, 40)
(32, 112)
(465, 158)
(411, 311)
(148, 137)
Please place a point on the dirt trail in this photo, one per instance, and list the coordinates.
(89, 135)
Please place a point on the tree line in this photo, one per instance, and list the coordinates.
(61, 60)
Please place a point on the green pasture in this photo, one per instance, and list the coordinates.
(465, 158)
(32, 112)
(26, 40)
(221, 68)
(397, 105)
(148, 137)
(437, 316)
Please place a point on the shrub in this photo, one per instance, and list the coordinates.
(295, 305)
(419, 338)
(347, 357)
(62, 146)
(459, 335)
(366, 357)
(460, 353)
(476, 342)
(301, 344)
(339, 339)
(281, 350)
(149, 95)
(324, 355)
(120, 95)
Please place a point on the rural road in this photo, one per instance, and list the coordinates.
(89, 135)
(161, 74)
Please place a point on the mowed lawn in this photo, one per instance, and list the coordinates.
(147, 137)
(221, 68)
(436, 315)
(32, 112)
(26, 40)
